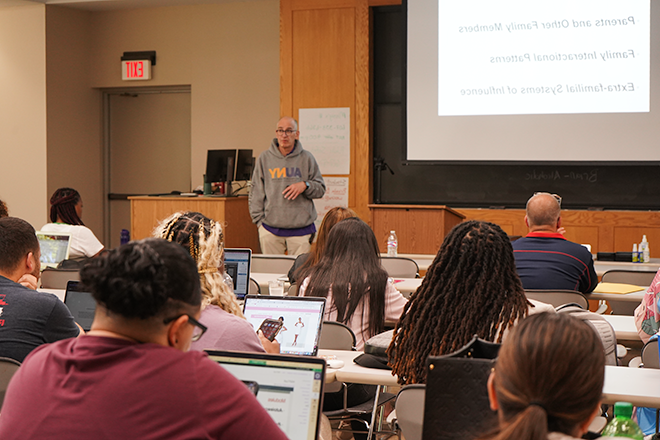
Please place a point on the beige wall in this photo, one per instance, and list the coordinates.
(228, 54)
(74, 112)
(23, 112)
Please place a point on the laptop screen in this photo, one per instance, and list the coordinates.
(289, 388)
(81, 304)
(237, 266)
(302, 318)
(54, 247)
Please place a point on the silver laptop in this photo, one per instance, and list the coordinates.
(54, 247)
(81, 304)
(237, 266)
(302, 316)
(290, 388)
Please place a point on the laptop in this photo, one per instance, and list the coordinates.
(302, 316)
(237, 266)
(81, 304)
(54, 247)
(290, 388)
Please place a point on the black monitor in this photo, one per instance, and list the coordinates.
(244, 165)
(220, 165)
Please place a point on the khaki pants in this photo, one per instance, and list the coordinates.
(272, 244)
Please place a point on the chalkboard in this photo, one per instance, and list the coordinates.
(583, 185)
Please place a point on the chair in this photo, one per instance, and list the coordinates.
(409, 408)
(52, 278)
(558, 298)
(337, 336)
(293, 290)
(279, 264)
(639, 278)
(400, 267)
(650, 355)
(253, 288)
(7, 369)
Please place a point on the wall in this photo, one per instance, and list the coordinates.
(228, 53)
(23, 112)
(74, 112)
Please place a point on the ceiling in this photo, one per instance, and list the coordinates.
(110, 5)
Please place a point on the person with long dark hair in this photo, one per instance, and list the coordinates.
(65, 215)
(471, 288)
(308, 260)
(132, 375)
(349, 274)
(548, 379)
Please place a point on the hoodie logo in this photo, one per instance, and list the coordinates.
(279, 173)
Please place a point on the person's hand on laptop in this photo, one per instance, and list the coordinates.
(29, 281)
(270, 346)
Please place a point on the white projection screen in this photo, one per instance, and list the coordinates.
(514, 80)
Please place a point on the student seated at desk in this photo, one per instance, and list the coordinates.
(203, 239)
(471, 288)
(130, 377)
(647, 314)
(548, 379)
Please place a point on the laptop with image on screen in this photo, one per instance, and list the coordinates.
(54, 247)
(290, 388)
(81, 304)
(302, 316)
(237, 266)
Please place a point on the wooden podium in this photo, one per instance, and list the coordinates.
(231, 212)
(419, 228)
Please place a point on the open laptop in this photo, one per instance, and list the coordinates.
(81, 304)
(237, 266)
(302, 315)
(54, 247)
(290, 388)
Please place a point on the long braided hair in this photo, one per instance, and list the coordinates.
(63, 206)
(204, 241)
(471, 288)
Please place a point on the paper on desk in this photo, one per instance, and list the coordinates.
(617, 288)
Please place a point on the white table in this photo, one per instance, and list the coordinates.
(624, 327)
(639, 386)
(57, 292)
(603, 266)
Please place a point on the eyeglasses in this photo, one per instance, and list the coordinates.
(556, 196)
(199, 329)
(287, 132)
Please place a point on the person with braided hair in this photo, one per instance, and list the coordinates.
(548, 379)
(65, 216)
(203, 239)
(470, 288)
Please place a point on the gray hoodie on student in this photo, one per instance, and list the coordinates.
(273, 172)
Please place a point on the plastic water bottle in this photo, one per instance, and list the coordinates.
(392, 244)
(125, 236)
(622, 425)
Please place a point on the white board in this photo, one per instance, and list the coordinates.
(336, 194)
(326, 133)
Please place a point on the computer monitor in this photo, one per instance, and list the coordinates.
(244, 165)
(237, 265)
(220, 165)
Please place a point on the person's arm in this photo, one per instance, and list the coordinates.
(270, 346)
(257, 197)
(90, 244)
(394, 302)
(589, 277)
(29, 281)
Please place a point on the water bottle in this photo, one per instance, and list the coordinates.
(392, 244)
(125, 236)
(644, 252)
(622, 425)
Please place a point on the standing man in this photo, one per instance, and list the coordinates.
(544, 258)
(285, 180)
(27, 318)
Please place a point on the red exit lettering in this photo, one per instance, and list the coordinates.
(135, 69)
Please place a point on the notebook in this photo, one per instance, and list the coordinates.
(54, 247)
(237, 266)
(81, 304)
(302, 315)
(290, 388)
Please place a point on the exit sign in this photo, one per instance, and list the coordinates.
(135, 70)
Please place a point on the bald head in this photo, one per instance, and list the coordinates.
(289, 121)
(543, 211)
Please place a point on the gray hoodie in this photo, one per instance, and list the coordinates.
(273, 172)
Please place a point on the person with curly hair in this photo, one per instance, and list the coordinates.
(132, 375)
(471, 288)
(65, 216)
(4, 212)
(548, 379)
(203, 239)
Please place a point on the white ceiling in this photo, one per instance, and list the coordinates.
(109, 5)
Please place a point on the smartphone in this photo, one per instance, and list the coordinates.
(252, 386)
(270, 328)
